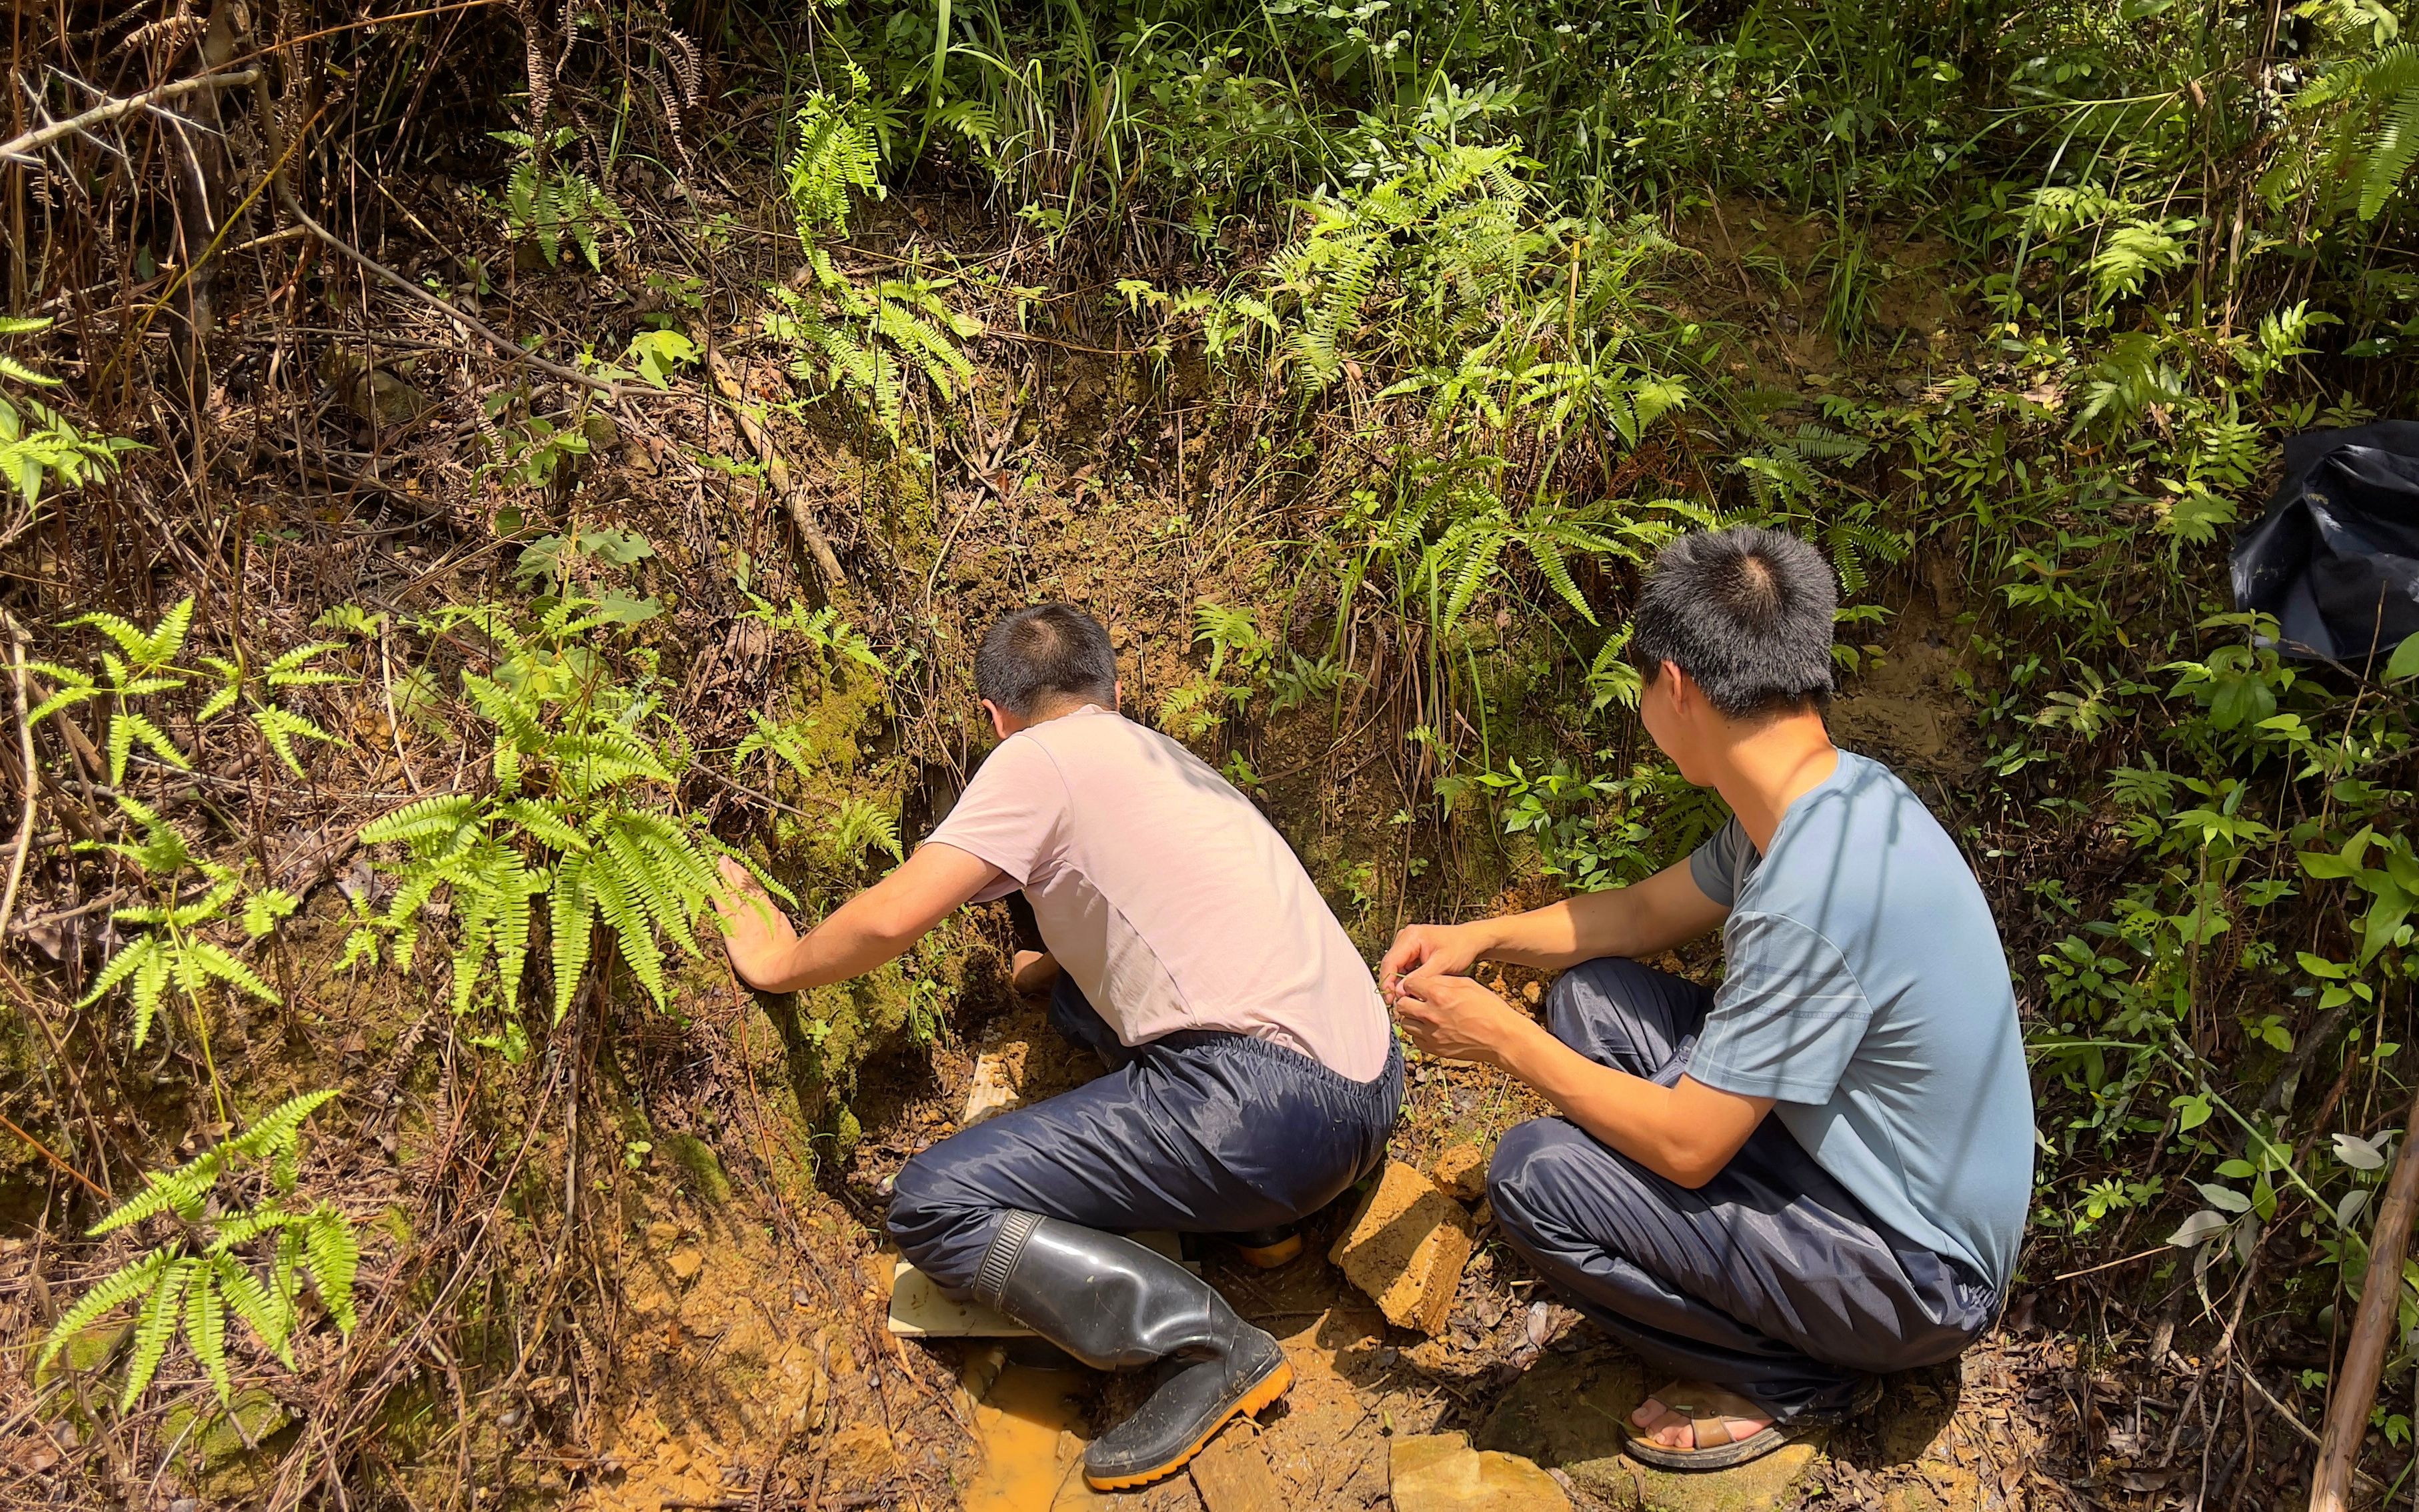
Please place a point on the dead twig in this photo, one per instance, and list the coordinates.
(21, 149)
(2356, 1385)
(33, 786)
(777, 472)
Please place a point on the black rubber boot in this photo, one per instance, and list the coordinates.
(1265, 1249)
(1114, 1305)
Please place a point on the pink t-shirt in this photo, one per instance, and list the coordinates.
(1167, 896)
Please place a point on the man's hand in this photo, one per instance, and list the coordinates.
(757, 935)
(875, 926)
(1456, 1018)
(1437, 950)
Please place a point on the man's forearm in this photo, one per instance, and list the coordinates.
(1636, 921)
(858, 936)
(1548, 938)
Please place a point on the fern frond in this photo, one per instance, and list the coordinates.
(155, 1328)
(570, 914)
(133, 1279)
(123, 965)
(545, 822)
(279, 1131)
(125, 729)
(206, 1329)
(213, 960)
(627, 918)
(427, 819)
(281, 728)
(335, 1261)
(1557, 574)
(271, 1324)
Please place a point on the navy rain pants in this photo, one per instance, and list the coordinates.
(1196, 1132)
(1769, 1280)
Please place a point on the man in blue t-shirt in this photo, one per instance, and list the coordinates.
(1773, 1265)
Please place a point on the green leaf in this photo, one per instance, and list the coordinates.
(128, 1281)
(155, 1327)
(263, 909)
(2404, 664)
(206, 1329)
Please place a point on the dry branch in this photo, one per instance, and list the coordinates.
(2356, 1385)
(22, 149)
(777, 472)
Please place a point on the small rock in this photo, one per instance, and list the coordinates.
(1232, 1476)
(1405, 1248)
(1442, 1472)
(661, 1233)
(686, 1263)
(1461, 1170)
(997, 1076)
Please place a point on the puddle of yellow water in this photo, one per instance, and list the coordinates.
(1026, 1422)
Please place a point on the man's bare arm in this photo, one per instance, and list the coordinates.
(1685, 1134)
(875, 926)
(1665, 910)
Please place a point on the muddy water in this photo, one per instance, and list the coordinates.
(1027, 1425)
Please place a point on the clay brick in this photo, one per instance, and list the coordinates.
(1405, 1248)
(1232, 1476)
(1441, 1473)
(1461, 1170)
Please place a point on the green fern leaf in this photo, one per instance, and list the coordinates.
(280, 1129)
(213, 960)
(631, 928)
(125, 729)
(426, 819)
(123, 965)
(571, 912)
(155, 1328)
(271, 1324)
(1557, 574)
(133, 1279)
(280, 728)
(335, 1261)
(206, 1328)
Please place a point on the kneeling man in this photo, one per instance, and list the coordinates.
(1252, 1079)
(1772, 1264)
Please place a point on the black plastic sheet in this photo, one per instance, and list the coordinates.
(2335, 560)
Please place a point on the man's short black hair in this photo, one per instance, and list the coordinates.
(1043, 655)
(1747, 612)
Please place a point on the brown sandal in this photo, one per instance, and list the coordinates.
(1709, 1409)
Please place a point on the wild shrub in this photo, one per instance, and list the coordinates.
(38, 447)
(579, 812)
(200, 1274)
(143, 667)
(175, 948)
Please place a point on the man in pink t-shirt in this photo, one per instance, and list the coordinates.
(1254, 1076)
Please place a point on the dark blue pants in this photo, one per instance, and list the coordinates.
(1769, 1280)
(1195, 1132)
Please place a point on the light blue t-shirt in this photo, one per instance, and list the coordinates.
(1867, 994)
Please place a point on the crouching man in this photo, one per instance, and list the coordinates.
(1252, 1074)
(1772, 1265)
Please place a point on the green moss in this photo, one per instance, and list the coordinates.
(216, 1438)
(702, 1174)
